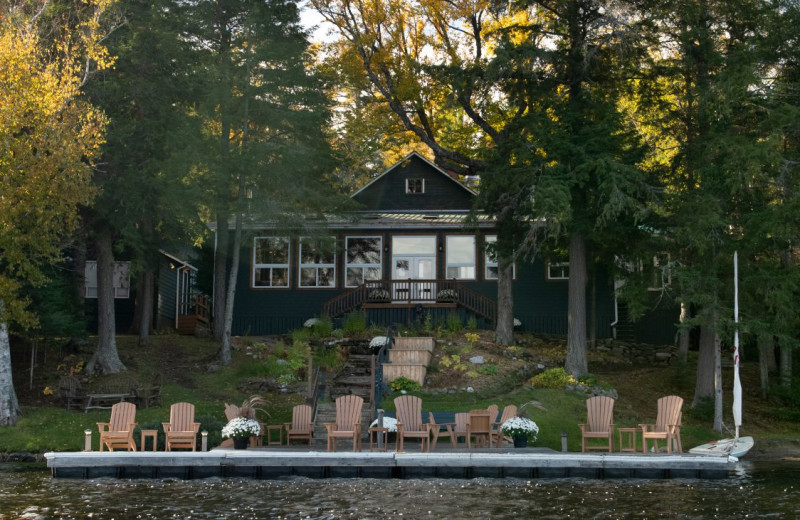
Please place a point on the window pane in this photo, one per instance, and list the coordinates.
(353, 276)
(364, 250)
(326, 277)
(372, 273)
(308, 277)
(414, 246)
(316, 251)
(272, 251)
(491, 272)
(280, 277)
(460, 250)
(261, 278)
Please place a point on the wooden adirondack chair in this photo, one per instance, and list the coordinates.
(348, 422)
(460, 428)
(117, 433)
(493, 410)
(497, 436)
(667, 426)
(479, 425)
(181, 430)
(599, 423)
(302, 425)
(409, 422)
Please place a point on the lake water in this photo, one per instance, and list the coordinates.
(759, 490)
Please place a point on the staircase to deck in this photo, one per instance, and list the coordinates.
(354, 378)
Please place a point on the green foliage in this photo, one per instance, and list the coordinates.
(488, 369)
(454, 323)
(329, 357)
(355, 323)
(404, 383)
(472, 323)
(322, 328)
(703, 410)
(554, 378)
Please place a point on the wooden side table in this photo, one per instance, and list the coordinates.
(271, 428)
(627, 438)
(376, 436)
(149, 434)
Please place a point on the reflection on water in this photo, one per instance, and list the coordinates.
(759, 491)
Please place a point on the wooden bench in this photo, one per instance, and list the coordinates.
(105, 401)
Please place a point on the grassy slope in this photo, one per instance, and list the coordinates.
(185, 364)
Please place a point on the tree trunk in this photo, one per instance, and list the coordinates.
(576, 362)
(9, 406)
(225, 350)
(786, 366)
(146, 306)
(717, 383)
(221, 274)
(79, 257)
(504, 328)
(683, 336)
(105, 358)
(766, 352)
(593, 315)
(704, 385)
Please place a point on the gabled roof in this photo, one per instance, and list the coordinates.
(442, 192)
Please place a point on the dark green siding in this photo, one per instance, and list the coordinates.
(167, 285)
(540, 305)
(388, 192)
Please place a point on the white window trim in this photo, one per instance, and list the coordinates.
(487, 262)
(272, 266)
(415, 192)
(316, 268)
(473, 264)
(551, 276)
(348, 266)
(122, 280)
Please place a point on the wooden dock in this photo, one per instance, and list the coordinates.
(264, 463)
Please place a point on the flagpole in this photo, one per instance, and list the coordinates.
(737, 385)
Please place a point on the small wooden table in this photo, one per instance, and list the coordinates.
(378, 436)
(627, 438)
(149, 434)
(271, 428)
(104, 401)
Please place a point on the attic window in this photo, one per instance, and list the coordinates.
(415, 185)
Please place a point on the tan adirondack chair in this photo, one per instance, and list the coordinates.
(117, 433)
(479, 425)
(459, 428)
(409, 422)
(302, 426)
(493, 410)
(348, 422)
(599, 424)
(181, 430)
(497, 436)
(667, 426)
(436, 430)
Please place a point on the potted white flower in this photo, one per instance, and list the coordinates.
(521, 429)
(240, 429)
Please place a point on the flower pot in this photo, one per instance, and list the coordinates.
(520, 441)
(240, 443)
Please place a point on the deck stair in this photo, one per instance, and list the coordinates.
(409, 357)
(354, 378)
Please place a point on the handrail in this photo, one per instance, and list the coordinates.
(379, 388)
(320, 376)
(412, 291)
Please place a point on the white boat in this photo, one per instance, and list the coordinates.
(738, 446)
(725, 447)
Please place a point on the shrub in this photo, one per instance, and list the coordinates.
(489, 369)
(323, 328)
(553, 378)
(454, 323)
(472, 323)
(404, 383)
(354, 323)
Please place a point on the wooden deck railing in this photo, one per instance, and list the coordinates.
(424, 292)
